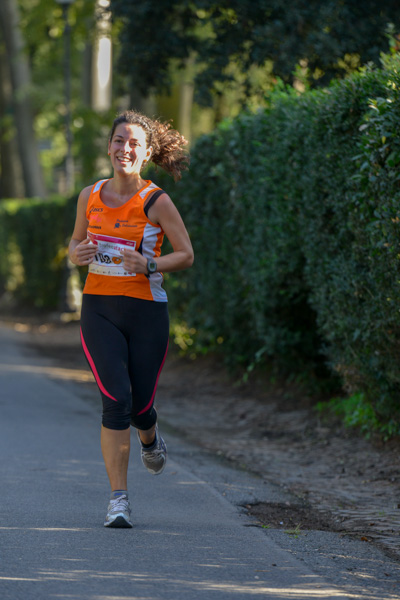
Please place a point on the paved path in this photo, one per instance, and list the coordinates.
(188, 542)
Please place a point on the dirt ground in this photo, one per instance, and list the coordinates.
(342, 481)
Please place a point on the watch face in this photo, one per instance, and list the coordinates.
(152, 266)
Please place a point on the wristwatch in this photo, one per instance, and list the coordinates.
(151, 265)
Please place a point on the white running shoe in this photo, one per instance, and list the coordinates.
(118, 513)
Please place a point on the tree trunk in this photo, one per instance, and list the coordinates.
(86, 77)
(20, 79)
(186, 92)
(102, 60)
(11, 183)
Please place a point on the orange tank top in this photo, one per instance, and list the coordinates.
(112, 229)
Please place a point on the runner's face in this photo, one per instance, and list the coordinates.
(128, 149)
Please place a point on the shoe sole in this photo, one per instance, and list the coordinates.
(119, 523)
(155, 472)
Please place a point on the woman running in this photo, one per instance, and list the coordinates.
(119, 229)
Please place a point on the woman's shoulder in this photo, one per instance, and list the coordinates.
(89, 189)
(85, 193)
(84, 196)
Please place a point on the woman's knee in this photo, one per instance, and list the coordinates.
(116, 415)
(146, 420)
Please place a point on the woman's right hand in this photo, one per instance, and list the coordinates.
(82, 253)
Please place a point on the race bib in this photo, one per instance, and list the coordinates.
(108, 259)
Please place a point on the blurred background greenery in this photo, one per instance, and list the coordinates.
(292, 111)
(195, 62)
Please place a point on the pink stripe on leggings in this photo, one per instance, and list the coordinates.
(93, 367)
(155, 387)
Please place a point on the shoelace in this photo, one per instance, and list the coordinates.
(155, 454)
(119, 504)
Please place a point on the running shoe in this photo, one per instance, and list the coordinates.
(118, 513)
(155, 457)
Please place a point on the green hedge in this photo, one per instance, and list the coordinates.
(33, 236)
(350, 220)
(294, 214)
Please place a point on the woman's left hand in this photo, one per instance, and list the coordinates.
(134, 262)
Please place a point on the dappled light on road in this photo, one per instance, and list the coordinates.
(251, 588)
(78, 375)
(47, 529)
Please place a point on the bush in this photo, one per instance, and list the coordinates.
(33, 236)
(294, 217)
(246, 295)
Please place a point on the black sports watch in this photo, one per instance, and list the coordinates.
(151, 265)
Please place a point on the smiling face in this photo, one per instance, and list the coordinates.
(128, 149)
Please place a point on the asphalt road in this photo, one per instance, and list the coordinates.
(189, 541)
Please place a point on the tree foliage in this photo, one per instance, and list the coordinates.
(328, 39)
(42, 27)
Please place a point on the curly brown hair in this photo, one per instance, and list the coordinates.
(168, 144)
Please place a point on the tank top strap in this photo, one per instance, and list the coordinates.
(97, 186)
(147, 191)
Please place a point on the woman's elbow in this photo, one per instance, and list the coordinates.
(189, 259)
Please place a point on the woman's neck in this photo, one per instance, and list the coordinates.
(127, 186)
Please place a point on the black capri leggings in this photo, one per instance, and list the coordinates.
(125, 341)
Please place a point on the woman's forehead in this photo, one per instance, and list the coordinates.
(128, 130)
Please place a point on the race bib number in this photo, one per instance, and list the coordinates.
(108, 259)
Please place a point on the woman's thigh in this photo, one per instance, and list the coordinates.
(148, 345)
(107, 351)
